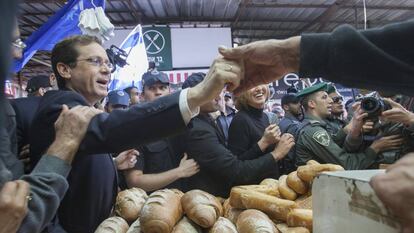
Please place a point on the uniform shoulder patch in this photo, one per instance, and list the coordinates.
(322, 137)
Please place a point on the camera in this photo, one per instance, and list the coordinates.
(117, 57)
(374, 106)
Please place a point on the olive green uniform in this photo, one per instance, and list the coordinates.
(315, 142)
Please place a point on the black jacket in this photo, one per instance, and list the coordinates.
(25, 109)
(93, 180)
(219, 168)
(374, 59)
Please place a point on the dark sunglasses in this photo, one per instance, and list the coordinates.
(337, 99)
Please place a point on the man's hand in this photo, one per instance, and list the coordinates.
(187, 167)
(392, 142)
(396, 190)
(222, 72)
(398, 113)
(126, 159)
(270, 136)
(14, 197)
(287, 141)
(265, 61)
(70, 129)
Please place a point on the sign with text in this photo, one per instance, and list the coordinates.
(158, 45)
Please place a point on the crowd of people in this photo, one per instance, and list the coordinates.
(63, 163)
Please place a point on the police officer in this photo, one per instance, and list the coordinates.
(161, 164)
(117, 99)
(315, 142)
(335, 120)
(291, 105)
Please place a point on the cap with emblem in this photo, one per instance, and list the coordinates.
(37, 82)
(152, 77)
(118, 97)
(310, 90)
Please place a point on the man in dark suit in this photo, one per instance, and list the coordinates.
(82, 69)
(219, 168)
(25, 108)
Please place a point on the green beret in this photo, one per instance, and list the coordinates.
(330, 88)
(312, 89)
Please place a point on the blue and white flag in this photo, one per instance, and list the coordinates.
(137, 62)
(62, 24)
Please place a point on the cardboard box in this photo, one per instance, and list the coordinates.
(344, 202)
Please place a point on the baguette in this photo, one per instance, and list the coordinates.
(275, 208)
(201, 207)
(185, 225)
(284, 228)
(223, 225)
(135, 227)
(295, 183)
(113, 225)
(285, 191)
(308, 172)
(300, 218)
(129, 203)
(255, 221)
(161, 212)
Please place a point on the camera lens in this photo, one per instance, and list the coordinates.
(370, 104)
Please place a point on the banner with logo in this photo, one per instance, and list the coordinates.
(158, 46)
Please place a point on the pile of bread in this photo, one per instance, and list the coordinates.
(273, 206)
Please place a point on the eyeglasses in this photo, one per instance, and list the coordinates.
(97, 61)
(18, 43)
(337, 99)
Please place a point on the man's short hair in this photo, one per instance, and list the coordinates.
(305, 100)
(128, 90)
(66, 52)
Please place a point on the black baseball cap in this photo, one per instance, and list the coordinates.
(151, 77)
(37, 82)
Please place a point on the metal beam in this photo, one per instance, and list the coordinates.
(345, 6)
(324, 17)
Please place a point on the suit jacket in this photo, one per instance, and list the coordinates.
(25, 109)
(93, 179)
(219, 168)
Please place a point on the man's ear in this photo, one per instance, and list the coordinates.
(64, 70)
(311, 103)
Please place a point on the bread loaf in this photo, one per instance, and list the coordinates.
(161, 212)
(230, 212)
(266, 189)
(295, 183)
(270, 182)
(201, 207)
(285, 191)
(304, 202)
(255, 221)
(135, 227)
(113, 225)
(223, 225)
(284, 228)
(185, 225)
(300, 218)
(129, 203)
(312, 162)
(308, 172)
(275, 208)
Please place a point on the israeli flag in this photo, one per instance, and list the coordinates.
(62, 24)
(137, 62)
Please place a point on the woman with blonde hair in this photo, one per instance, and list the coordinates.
(250, 134)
